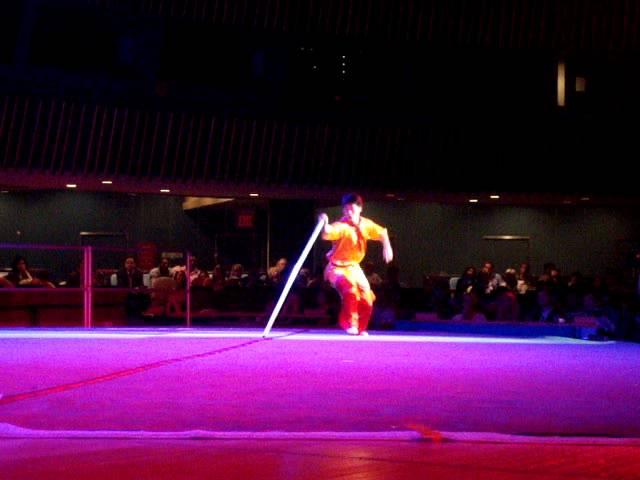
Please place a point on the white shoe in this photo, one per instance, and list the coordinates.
(364, 334)
(352, 331)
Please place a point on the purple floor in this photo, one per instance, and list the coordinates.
(177, 384)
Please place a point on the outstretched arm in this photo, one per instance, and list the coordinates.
(387, 251)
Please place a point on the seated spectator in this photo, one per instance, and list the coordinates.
(547, 309)
(388, 301)
(198, 276)
(467, 281)
(490, 280)
(596, 308)
(176, 300)
(506, 307)
(470, 309)
(510, 278)
(163, 287)
(20, 276)
(161, 270)
(129, 276)
(216, 281)
(276, 273)
(375, 280)
(303, 278)
(524, 279)
(546, 272)
(237, 276)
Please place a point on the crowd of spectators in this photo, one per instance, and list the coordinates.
(476, 295)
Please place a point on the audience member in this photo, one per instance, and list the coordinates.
(196, 275)
(375, 280)
(547, 306)
(596, 308)
(276, 273)
(524, 279)
(129, 276)
(20, 276)
(217, 279)
(490, 279)
(237, 276)
(161, 270)
(470, 309)
(506, 307)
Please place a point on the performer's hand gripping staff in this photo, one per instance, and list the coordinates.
(322, 220)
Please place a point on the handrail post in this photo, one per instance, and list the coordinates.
(188, 289)
(87, 286)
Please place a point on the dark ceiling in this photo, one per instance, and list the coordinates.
(431, 100)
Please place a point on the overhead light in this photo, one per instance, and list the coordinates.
(473, 200)
(560, 84)
(71, 185)
(390, 195)
(494, 197)
(165, 190)
(4, 191)
(585, 199)
(254, 194)
(106, 182)
(190, 203)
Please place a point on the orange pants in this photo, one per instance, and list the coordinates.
(357, 297)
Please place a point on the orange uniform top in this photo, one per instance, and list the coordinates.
(350, 241)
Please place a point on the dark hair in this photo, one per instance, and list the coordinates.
(16, 260)
(350, 198)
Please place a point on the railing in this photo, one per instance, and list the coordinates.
(86, 274)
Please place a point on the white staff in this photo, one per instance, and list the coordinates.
(292, 277)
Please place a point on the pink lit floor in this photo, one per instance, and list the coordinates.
(226, 403)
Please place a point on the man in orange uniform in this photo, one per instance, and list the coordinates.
(349, 236)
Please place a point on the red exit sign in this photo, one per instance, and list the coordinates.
(246, 219)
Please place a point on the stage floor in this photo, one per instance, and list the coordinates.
(306, 400)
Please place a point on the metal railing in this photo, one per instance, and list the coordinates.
(86, 274)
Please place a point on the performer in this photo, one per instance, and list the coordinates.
(349, 236)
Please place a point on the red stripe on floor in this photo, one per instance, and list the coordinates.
(120, 374)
